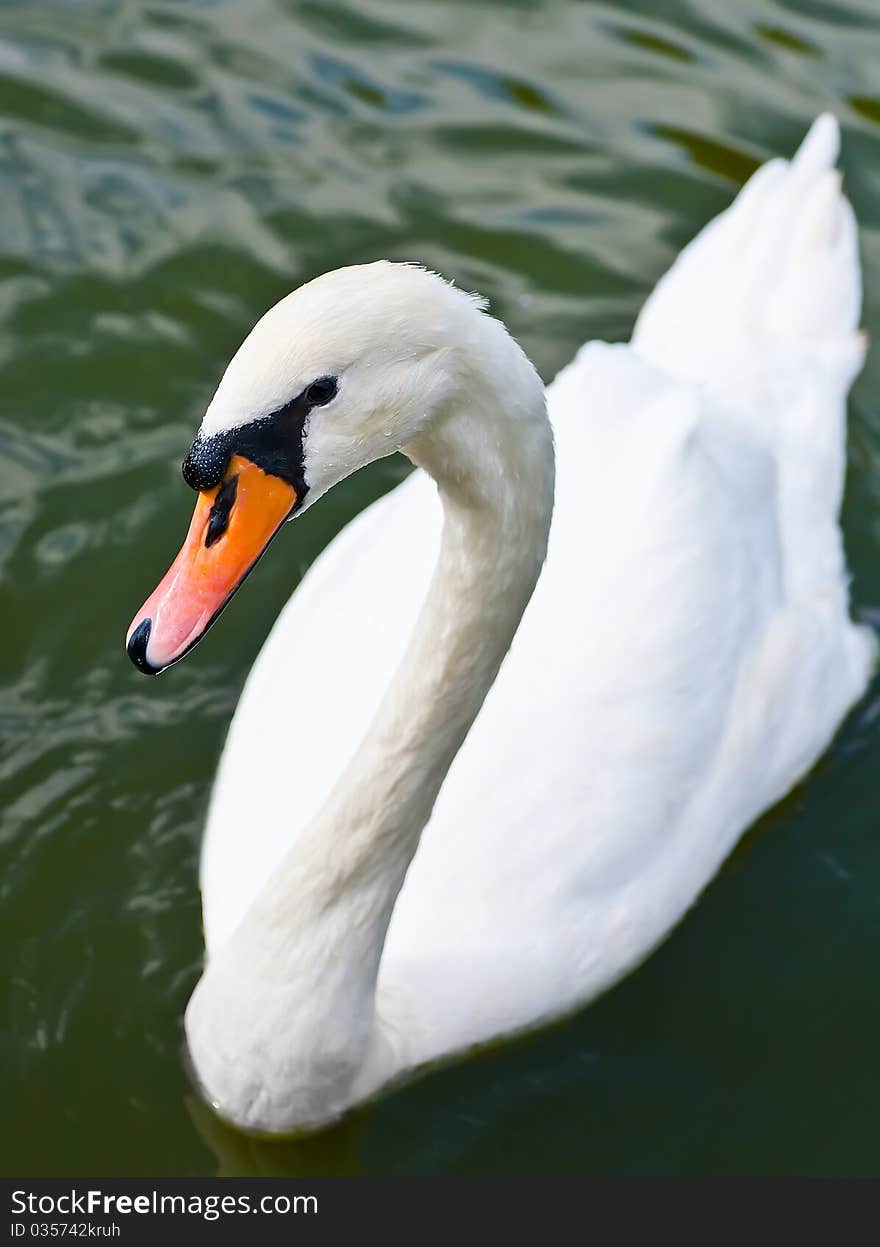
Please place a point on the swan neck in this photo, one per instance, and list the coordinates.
(310, 947)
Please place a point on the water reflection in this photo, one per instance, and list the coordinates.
(333, 1152)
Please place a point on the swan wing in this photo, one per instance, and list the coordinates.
(666, 686)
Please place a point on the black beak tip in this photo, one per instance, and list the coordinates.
(137, 648)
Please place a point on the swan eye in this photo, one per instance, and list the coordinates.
(321, 391)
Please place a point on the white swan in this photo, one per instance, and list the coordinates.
(377, 894)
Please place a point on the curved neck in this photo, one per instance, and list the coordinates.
(310, 946)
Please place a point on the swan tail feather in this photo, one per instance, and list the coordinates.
(777, 271)
(761, 312)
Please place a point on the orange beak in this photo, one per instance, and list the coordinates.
(231, 527)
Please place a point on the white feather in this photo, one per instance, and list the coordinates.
(686, 657)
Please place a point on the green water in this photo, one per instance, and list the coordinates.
(167, 171)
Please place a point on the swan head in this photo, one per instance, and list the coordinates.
(345, 370)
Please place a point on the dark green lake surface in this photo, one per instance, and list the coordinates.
(167, 171)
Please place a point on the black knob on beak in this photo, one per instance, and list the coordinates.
(205, 465)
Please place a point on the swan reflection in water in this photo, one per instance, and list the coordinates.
(331, 1152)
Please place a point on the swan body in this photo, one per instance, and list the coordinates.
(378, 894)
